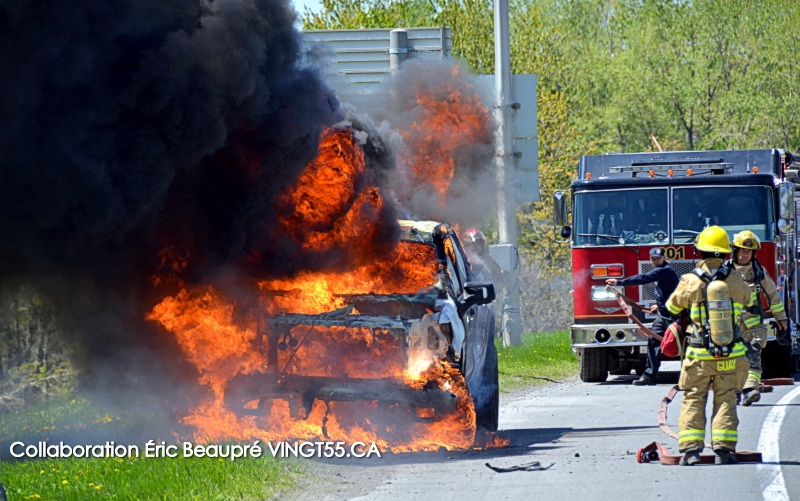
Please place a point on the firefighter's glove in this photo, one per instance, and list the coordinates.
(755, 310)
(784, 337)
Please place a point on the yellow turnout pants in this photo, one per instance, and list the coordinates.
(728, 376)
(756, 340)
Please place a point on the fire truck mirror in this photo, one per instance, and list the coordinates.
(559, 209)
(786, 201)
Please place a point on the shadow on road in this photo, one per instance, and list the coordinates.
(522, 442)
(664, 377)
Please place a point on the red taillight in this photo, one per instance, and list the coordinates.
(607, 270)
(615, 270)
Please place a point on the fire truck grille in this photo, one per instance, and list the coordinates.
(647, 291)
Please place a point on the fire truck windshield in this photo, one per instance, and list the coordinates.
(669, 215)
(617, 217)
(735, 208)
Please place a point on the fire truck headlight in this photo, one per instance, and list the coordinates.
(599, 293)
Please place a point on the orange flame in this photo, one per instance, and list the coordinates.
(212, 339)
(450, 117)
(332, 207)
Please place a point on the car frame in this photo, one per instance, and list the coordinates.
(453, 318)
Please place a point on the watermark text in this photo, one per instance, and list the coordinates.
(231, 451)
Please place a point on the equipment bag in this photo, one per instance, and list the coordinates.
(674, 337)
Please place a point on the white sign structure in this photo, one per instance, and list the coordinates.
(365, 58)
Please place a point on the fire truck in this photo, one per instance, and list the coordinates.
(623, 205)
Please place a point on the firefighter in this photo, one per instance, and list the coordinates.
(666, 280)
(484, 268)
(764, 295)
(705, 362)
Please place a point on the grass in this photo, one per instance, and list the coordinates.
(80, 421)
(541, 358)
(147, 478)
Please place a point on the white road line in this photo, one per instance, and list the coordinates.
(770, 469)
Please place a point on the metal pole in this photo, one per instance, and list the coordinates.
(506, 199)
(398, 48)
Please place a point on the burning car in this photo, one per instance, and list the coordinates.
(386, 348)
(366, 330)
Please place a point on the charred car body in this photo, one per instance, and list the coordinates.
(382, 337)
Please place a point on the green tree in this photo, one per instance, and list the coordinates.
(706, 74)
(363, 14)
(35, 358)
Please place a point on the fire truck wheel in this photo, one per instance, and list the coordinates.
(776, 361)
(594, 365)
(488, 410)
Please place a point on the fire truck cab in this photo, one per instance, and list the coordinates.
(625, 204)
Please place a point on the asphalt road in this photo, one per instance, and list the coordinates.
(584, 437)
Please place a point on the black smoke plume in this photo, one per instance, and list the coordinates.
(135, 130)
(130, 127)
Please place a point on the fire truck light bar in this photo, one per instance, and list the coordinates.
(643, 167)
(607, 271)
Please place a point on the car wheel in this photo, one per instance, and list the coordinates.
(487, 405)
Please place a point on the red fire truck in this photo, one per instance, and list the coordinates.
(625, 204)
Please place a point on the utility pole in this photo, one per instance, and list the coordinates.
(506, 190)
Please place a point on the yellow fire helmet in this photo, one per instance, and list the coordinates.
(713, 239)
(746, 240)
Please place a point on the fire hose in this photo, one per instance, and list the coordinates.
(658, 452)
(628, 305)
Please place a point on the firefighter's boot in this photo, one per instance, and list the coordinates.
(645, 380)
(690, 458)
(750, 396)
(724, 456)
